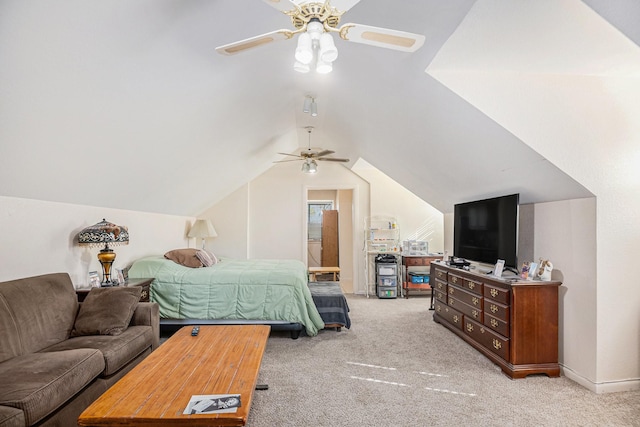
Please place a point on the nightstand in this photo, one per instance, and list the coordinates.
(144, 296)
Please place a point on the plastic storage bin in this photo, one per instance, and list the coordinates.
(418, 277)
(385, 292)
(387, 281)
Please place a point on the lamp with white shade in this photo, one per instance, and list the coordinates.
(202, 228)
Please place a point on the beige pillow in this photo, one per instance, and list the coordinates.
(106, 311)
(185, 257)
(206, 258)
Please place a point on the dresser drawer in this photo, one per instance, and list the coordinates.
(441, 274)
(500, 326)
(449, 314)
(472, 286)
(489, 339)
(441, 296)
(496, 293)
(439, 285)
(465, 296)
(416, 261)
(455, 279)
(466, 309)
(497, 310)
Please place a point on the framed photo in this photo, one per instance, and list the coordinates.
(119, 277)
(94, 279)
(497, 270)
(525, 270)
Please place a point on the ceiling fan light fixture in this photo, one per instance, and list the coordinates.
(328, 51)
(315, 29)
(304, 51)
(301, 68)
(306, 107)
(323, 67)
(310, 166)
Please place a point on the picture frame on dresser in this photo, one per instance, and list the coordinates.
(94, 279)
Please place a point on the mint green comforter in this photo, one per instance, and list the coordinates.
(255, 289)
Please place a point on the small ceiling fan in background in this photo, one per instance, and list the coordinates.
(310, 156)
(315, 21)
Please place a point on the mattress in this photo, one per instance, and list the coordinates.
(257, 289)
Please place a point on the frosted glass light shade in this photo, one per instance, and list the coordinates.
(304, 51)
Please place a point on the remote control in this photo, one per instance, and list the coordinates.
(195, 330)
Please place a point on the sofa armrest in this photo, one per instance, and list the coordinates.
(148, 314)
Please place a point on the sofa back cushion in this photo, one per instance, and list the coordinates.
(35, 312)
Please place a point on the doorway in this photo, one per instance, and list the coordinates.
(322, 233)
(337, 245)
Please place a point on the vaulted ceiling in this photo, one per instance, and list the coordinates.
(126, 104)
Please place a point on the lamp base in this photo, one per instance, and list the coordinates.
(106, 257)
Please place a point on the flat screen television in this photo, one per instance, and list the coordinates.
(487, 230)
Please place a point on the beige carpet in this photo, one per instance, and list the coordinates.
(396, 367)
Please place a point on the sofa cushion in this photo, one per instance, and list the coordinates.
(11, 417)
(35, 312)
(39, 383)
(117, 350)
(106, 311)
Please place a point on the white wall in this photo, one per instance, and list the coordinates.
(565, 235)
(39, 237)
(417, 219)
(231, 221)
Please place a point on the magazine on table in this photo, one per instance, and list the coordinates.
(213, 404)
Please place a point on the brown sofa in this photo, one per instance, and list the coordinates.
(52, 366)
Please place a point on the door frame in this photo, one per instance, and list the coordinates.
(355, 215)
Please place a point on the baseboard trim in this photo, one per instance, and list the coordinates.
(603, 387)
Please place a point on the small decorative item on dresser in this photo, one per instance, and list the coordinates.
(94, 279)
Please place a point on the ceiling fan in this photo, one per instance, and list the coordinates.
(310, 156)
(315, 21)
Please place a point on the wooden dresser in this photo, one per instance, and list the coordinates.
(513, 323)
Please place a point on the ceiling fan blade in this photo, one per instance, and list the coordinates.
(288, 160)
(283, 6)
(343, 5)
(382, 37)
(242, 45)
(331, 159)
(287, 154)
(324, 153)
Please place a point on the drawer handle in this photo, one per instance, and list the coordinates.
(494, 323)
(469, 327)
(454, 279)
(494, 292)
(482, 330)
(451, 291)
(475, 300)
(446, 309)
(475, 313)
(438, 309)
(497, 344)
(439, 285)
(451, 301)
(440, 274)
(455, 318)
(472, 285)
(494, 308)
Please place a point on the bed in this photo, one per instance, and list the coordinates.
(232, 291)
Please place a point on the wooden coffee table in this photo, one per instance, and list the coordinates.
(220, 360)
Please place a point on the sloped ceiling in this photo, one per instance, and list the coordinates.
(125, 104)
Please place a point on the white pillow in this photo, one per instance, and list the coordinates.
(206, 258)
